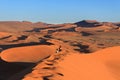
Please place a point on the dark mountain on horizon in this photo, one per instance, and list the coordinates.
(94, 23)
(88, 23)
(117, 24)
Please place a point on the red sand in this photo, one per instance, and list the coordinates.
(101, 65)
(68, 64)
(4, 34)
(27, 54)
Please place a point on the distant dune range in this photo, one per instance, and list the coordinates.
(84, 50)
(13, 26)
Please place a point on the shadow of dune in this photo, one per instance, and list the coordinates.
(67, 30)
(23, 37)
(28, 69)
(47, 36)
(35, 30)
(9, 69)
(39, 29)
(42, 42)
(83, 48)
(6, 37)
(85, 33)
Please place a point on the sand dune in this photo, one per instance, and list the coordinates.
(111, 58)
(18, 26)
(26, 42)
(77, 66)
(101, 65)
(27, 54)
(4, 34)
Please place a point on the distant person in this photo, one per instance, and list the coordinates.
(58, 49)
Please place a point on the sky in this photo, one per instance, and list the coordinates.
(59, 11)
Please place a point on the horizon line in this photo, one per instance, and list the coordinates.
(56, 22)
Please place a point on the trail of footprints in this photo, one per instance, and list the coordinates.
(47, 69)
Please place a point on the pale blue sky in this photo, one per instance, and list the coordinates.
(59, 11)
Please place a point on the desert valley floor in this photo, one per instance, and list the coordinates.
(85, 50)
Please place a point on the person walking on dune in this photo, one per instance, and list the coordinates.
(58, 49)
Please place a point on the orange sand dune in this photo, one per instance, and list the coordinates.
(108, 54)
(101, 65)
(27, 54)
(4, 34)
(111, 58)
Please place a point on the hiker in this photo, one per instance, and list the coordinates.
(59, 49)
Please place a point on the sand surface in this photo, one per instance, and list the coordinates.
(76, 66)
(90, 50)
(27, 54)
(101, 65)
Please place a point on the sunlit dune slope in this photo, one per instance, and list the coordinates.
(4, 34)
(27, 54)
(101, 65)
(111, 58)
